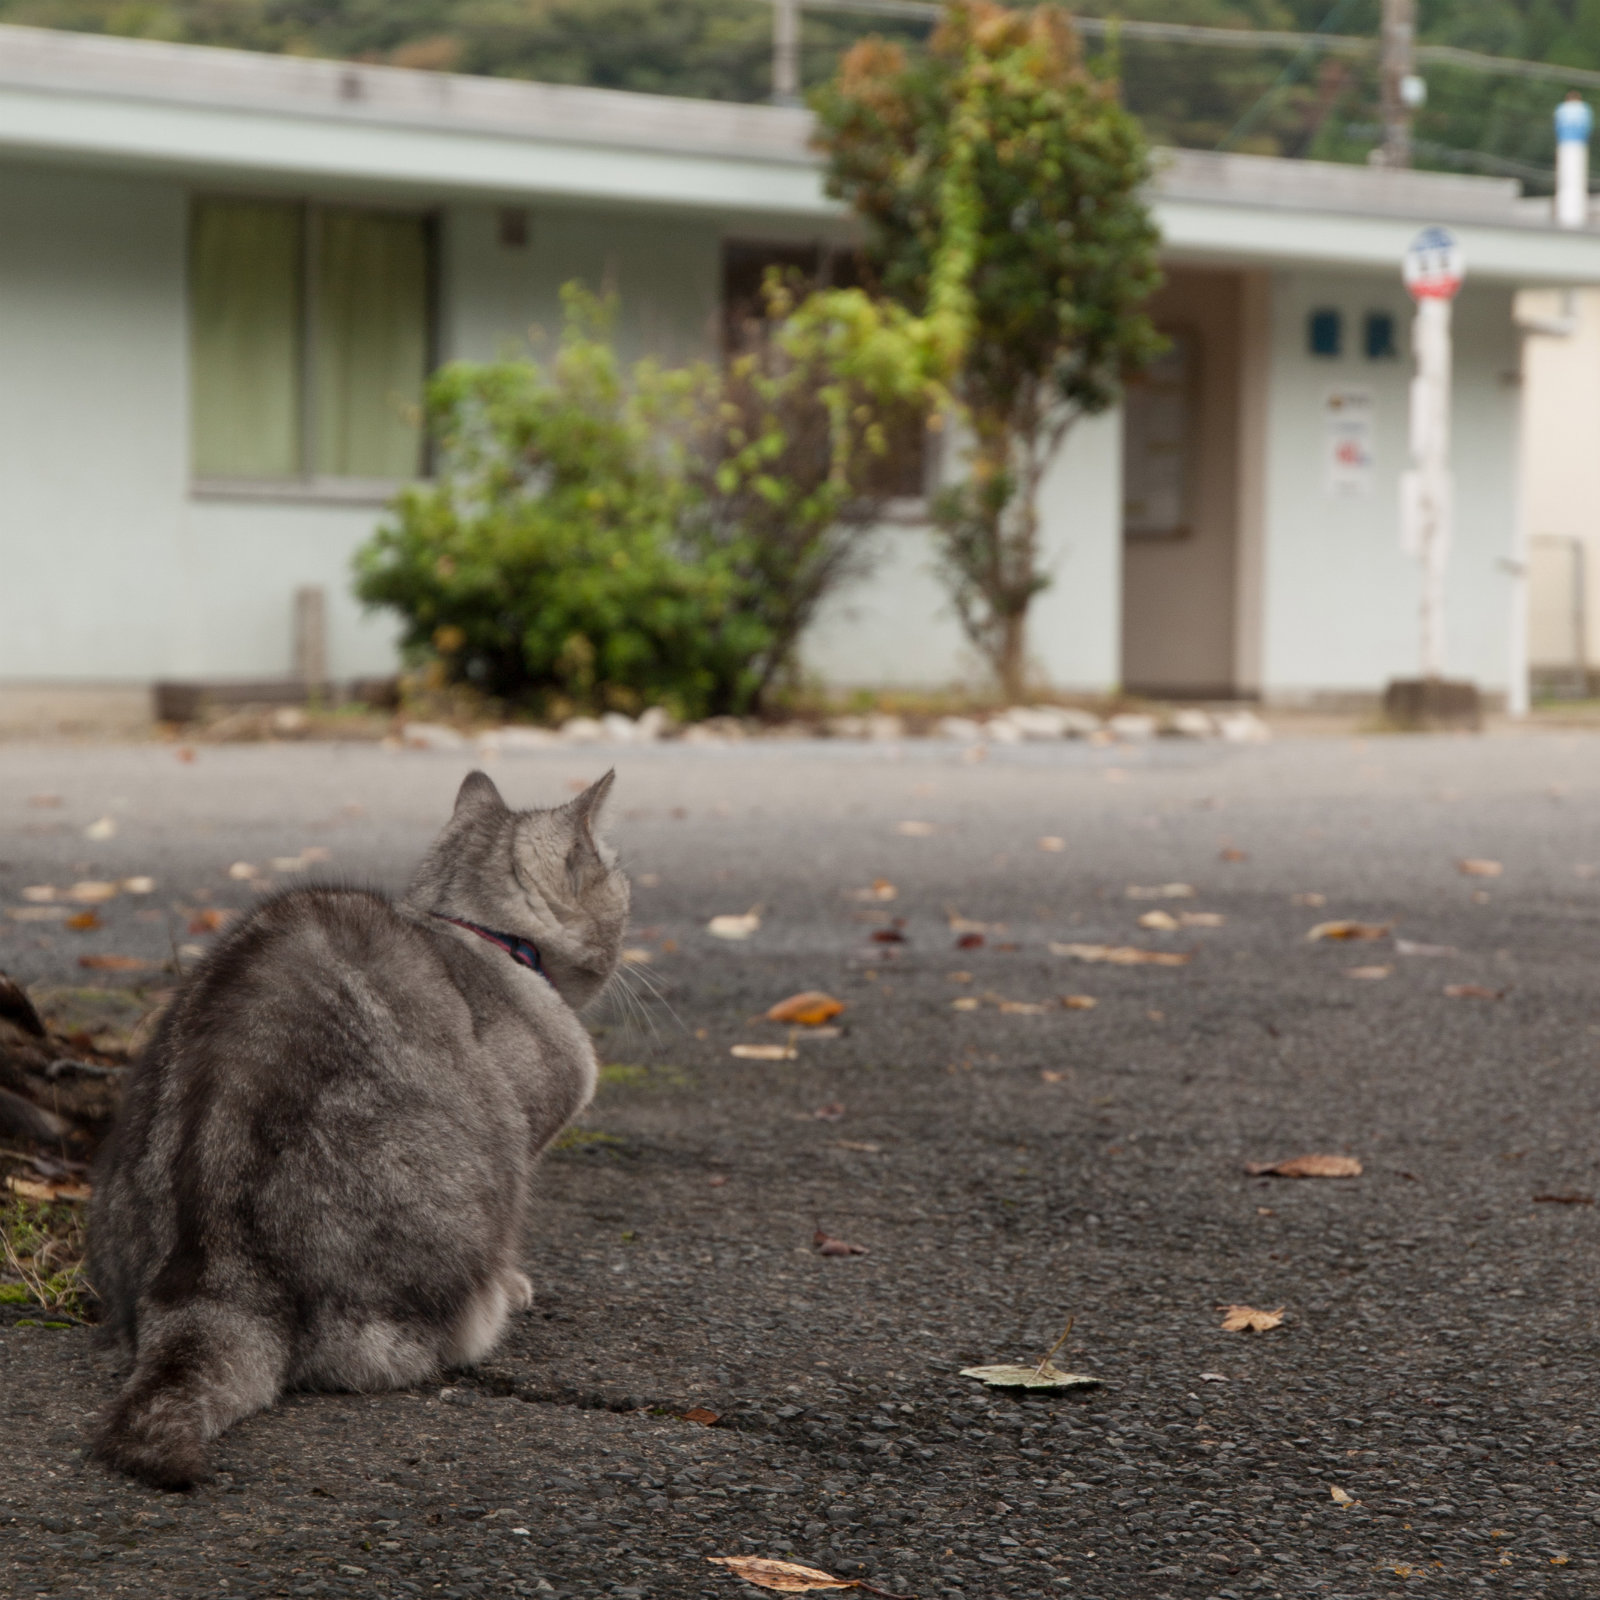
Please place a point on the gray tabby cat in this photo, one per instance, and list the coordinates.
(320, 1173)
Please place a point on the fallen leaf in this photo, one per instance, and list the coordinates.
(1411, 947)
(1047, 1076)
(1213, 1377)
(784, 1576)
(860, 1145)
(810, 1009)
(1306, 1167)
(1021, 1008)
(1370, 974)
(1044, 1375)
(113, 963)
(826, 1244)
(61, 1189)
(888, 935)
(831, 1112)
(105, 828)
(1121, 955)
(1201, 919)
(1052, 845)
(1308, 897)
(1246, 1319)
(915, 830)
(1349, 930)
(242, 871)
(718, 1181)
(85, 922)
(965, 1002)
(1473, 991)
(138, 885)
(765, 1052)
(1570, 1198)
(1161, 921)
(958, 977)
(209, 920)
(732, 925)
(637, 956)
(701, 1415)
(1479, 867)
(969, 941)
(880, 889)
(39, 894)
(1161, 891)
(1079, 1002)
(1233, 854)
(1340, 1498)
(36, 913)
(960, 924)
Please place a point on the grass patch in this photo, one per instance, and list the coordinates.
(627, 1075)
(42, 1250)
(584, 1139)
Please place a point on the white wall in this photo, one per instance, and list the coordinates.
(111, 572)
(898, 629)
(1340, 597)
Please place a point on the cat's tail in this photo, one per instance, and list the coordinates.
(202, 1365)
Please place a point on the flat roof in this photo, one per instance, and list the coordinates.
(273, 121)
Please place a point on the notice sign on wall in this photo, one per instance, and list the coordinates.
(1347, 422)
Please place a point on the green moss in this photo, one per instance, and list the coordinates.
(13, 1294)
(621, 1072)
(581, 1138)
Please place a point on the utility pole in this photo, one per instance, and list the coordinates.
(1398, 51)
(786, 52)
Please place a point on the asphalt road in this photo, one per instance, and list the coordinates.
(1436, 1361)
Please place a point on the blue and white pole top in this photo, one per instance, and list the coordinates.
(1574, 121)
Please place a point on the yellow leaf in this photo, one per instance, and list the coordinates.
(785, 1576)
(1246, 1319)
(1340, 1498)
(810, 1009)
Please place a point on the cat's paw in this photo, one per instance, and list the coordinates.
(519, 1291)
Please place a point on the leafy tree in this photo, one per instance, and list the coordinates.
(999, 180)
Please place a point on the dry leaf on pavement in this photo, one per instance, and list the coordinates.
(637, 956)
(825, 1244)
(1233, 853)
(93, 893)
(1308, 897)
(139, 885)
(1306, 1167)
(810, 1009)
(85, 922)
(104, 829)
(211, 919)
(1161, 891)
(1473, 991)
(1340, 1498)
(48, 1190)
(1200, 919)
(1161, 921)
(1246, 1319)
(965, 1002)
(1078, 1002)
(1122, 955)
(915, 830)
(113, 963)
(699, 1414)
(1414, 947)
(1349, 930)
(735, 925)
(1052, 845)
(765, 1052)
(831, 1112)
(1044, 1375)
(1479, 867)
(1021, 1008)
(39, 894)
(784, 1576)
(243, 871)
(1368, 974)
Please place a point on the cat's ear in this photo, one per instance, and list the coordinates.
(585, 865)
(477, 793)
(585, 810)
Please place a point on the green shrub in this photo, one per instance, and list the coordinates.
(592, 541)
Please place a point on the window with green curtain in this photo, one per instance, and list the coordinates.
(370, 343)
(246, 277)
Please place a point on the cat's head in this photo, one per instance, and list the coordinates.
(545, 876)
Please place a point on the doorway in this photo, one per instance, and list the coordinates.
(1180, 494)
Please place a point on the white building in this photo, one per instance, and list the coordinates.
(220, 273)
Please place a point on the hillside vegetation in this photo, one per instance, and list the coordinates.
(1267, 100)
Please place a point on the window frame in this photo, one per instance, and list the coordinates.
(308, 485)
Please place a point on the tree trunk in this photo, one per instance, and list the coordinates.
(1012, 661)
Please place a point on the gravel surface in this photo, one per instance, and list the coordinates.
(1004, 1169)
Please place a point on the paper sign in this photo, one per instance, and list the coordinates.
(1348, 429)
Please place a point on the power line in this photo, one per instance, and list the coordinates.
(1444, 55)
